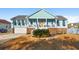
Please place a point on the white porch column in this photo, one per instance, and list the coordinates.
(25, 22)
(56, 22)
(37, 24)
(16, 22)
(46, 23)
(28, 23)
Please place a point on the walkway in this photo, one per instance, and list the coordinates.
(6, 37)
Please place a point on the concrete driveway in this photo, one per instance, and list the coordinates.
(6, 37)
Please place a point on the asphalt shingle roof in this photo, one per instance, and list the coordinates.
(4, 21)
(19, 17)
(61, 18)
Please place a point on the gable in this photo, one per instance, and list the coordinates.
(42, 14)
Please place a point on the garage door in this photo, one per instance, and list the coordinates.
(20, 30)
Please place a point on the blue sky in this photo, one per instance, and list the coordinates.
(71, 13)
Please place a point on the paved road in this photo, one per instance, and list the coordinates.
(6, 37)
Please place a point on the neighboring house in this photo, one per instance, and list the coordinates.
(74, 25)
(5, 24)
(39, 20)
(73, 28)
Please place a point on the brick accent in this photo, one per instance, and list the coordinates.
(13, 30)
(29, 30)
(57, 30)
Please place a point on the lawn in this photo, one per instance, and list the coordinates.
(28, 42)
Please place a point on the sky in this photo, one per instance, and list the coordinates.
(72, 14)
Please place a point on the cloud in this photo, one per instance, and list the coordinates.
(72, 19)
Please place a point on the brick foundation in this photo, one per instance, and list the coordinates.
(51, 30)
(13, 30)
(57, 30)
(29, 30)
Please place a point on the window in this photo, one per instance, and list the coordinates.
(14, 22)
(32, 21)
(26, 22)
(19, 22)
(63, 22)
(49, 22)
(58, 23)
(53, 20)
(23, 22)
(6, 26)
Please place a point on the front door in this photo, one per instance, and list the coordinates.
(41, 23)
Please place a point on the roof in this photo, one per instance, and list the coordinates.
(61, 18)
(19, 17)
(4, 21)
(41, 14)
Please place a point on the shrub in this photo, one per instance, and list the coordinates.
(41, 32)
(3, 30)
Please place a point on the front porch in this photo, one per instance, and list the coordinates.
(42, 23)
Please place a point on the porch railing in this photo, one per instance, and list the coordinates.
(48, 26)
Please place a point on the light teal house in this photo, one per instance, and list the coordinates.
(5, 24)
(38, 20)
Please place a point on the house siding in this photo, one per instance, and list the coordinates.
(61, 24)
(41, 14)
(5, 26)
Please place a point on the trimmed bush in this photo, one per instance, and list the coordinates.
(41, 33)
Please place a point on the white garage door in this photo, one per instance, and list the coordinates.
(20, 30)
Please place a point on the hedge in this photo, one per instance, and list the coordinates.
(41, 32)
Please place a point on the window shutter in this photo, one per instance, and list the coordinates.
(63, 22)
(23, 22)
(58, 24)
(14, 22)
